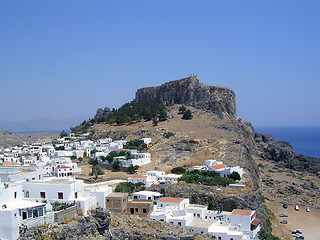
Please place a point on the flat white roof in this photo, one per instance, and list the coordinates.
(196, 206)
(20, 204)
(202, 223)
(148, 193)
(53, 180)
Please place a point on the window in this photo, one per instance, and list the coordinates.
(35, 213)
(198, 215)
(42, 194)
(29, 213)
(15, 194)
(60, 195)
(219, 238)
(136, 209)
(144, 210)
(108, 200)
(231, 238)
(135, 197)
(40, 212)
(179, 223)
(76, 195)
(24, 215)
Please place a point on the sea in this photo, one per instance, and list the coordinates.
(305, 140)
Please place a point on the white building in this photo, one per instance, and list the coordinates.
(145, 140)
(236, 225)
(137, 159)
(146, 180)
(223, 170)
(147, 195)
(15, 211)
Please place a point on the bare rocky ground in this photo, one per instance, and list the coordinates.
(12, 139)
(308, 222)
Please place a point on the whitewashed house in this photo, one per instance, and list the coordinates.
(138, 159)
(15, 211)
(54, 189)
(146, 180)
(237, 225)
(147, 195)
(145, 140)
(223, 170)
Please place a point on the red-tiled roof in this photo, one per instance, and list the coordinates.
(256, 221)
(171, 200)
(218, 166)
(122, 149)
(241, 212)
(139, 177)
(9, 163)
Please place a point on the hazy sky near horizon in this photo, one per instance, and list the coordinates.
(65, 59)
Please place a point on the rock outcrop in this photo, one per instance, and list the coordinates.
(94, 226)
(102, 113)
(283, 154)
(190, 92)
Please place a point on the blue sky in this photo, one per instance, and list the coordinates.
(64, 59)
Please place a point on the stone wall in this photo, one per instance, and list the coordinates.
(66, 213)
(39, 221)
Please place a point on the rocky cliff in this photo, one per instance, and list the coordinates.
(284, 156)
(190, 92)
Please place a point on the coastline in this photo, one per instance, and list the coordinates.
(304, 139)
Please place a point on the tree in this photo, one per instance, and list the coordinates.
(116, 165)
(154, 121)
(235, 176)
(59, 148)
(125, 187)
(93, 161)
(63, 134)
(182, 109)
(132, 169)
(187, 115)
(163, 115)
(178, 170)
(96, 170)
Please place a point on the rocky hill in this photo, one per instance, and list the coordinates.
(215, 132)
(190, 92)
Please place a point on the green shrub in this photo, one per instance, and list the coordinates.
(132, 169)
(235, 176)
(116, 165)
(178, 170)
(93, 161)
(182, 109)
(187, 115)
(206, 178)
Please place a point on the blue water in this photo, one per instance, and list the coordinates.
(305, 140)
